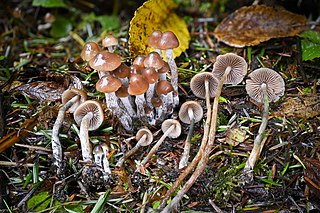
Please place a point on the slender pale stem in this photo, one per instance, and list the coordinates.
(84, 138)
(187, 145)
(255, 153)
(55, 141)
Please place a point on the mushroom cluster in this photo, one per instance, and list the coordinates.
(140, 91)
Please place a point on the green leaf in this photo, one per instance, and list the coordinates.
(109, 23)
(101, 202)
(48, 3)
(61, 27)
(310, 45)
(39, 201)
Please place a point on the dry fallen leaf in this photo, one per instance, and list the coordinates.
(156, 15)
(252, 25)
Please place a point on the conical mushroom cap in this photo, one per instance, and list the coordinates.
(89, 50)
(149, 136)
(154, 60)
(237, 64)
(86, 107)
(163, 87)
(168, 41)
(69, 94)
(176, 130)
(274, 83)
(108, 83)
(138, 85)
(197, 84)
(109, 41)
(105, 61)
(196, 109)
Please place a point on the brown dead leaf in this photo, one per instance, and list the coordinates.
(252, 25)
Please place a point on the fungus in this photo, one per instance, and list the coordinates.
(71, 99)
(89, 116)
(265, 85)
(105, 161)
(162, 72)
(190, 112)
(171, 128)
(90, 50)
(110, 42)
(137, 87)
(165, 91)
(123, 95)
(105, 62)
(152, 77)
(154, 60)
(168, 42)
(144, 137)
(98, 155)
(123, 73)
(157, 103)
(154, 39)
(139, 61)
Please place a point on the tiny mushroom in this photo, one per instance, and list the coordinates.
(110, 42)
(123, 95)
(137, 87)
(90, 50)
(105, 62)
(98, 154)
(105, 161)
(171, 128)
(165, 90)
(152, 77)
(154, 60)
(89, 116)
(123, 73)
(154, 39)
(144, 137)
(157, 103)
(190, 112)
(71, 99)
(265, 85)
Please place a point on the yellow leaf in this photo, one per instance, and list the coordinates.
(156, 15)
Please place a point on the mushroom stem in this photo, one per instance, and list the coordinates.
(128, 106)
(84, 138)
(255, 153)
(140, 101)
(131, 151)
(207, 150)
(55, 141)
(206, 86)
(157, 145)
(149, 94)
(187, 145)
(173, 67)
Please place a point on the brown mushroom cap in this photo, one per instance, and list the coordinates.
(86, 107)
(176, 130)
(154, 38)
(135, 69)
(168, 41)
(273, 81)
(123, 71)
(238, 68)
(163, 87)
(109, 41)
(154, 60)
(89, 50)
(139, 61)
(156, 102)
(122, 92)
(164, 69)
(148, 139)
(69, 94)
(150, 74)
(138, 85)
(108, 83)
(196, 109)
(105, 61)
(197, 84)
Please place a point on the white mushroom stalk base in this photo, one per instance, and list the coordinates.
(186, 150)
(174, 73)
(140, 101)
(257, 145)
(84, 138)
(55, 141)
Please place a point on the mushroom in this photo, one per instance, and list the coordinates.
(89, 116)
(98, 155)
(152, 77)
(139, 61)
(190, 112)
(137, 87)
(110, 42)
(153, 41)
(105, 62)
(123, 95)
(123, 73)
(265, 85)
(71, 99)
(154, 60)
(165, 91)
(144, 137)
(163, 71)
(168, 42)
(90, 50)
(171, 128)
(157, 103)
(105, 161)
(204, 85)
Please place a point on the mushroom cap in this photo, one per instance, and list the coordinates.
(197, 84)
(176, 130)
(237, 64)
(69, 94)
(97, 150)
(154, 60)
(197, 112)
(135, 69)
(108, 83)
(163, 87)
(150, 74)
(139, 61)
(168, 41)
(154, 38)
(148, 133)
(105, 61)
(164, 69)
(89, 50)
(156, 101)
(138, 85)
(86, 107)
(123, 71)
(122, 92)
(109, 41)
(273, 81)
